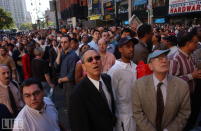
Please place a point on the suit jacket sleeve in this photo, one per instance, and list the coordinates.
(141, 120)
(184, 111)
(78, 114)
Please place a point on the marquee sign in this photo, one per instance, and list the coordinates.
(184, 6)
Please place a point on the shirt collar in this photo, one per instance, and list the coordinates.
(95, 82)
(38, 111)
(125, 65)
(156, 81)
(2, 85)
(185, 54)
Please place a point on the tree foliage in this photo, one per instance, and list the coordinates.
(26, 26)
(6, 21)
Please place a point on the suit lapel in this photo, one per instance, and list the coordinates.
(95, 95)
(107, 82)
(170, 91)
(151, 94)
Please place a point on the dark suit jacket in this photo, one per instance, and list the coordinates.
(88, 110)
(4, 114)
(52, 55)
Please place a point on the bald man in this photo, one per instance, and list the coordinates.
(9, 93)
(107, 58)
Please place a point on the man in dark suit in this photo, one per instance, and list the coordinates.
(92, 105)
(4, 114)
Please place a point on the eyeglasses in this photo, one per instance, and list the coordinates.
(35, 93)
(90, 59)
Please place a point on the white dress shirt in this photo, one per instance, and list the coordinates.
(107, 94)
(30, 119)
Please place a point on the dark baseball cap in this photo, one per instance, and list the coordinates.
(127, 39)
(171, 38)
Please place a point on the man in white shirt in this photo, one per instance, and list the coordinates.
(161, 102)
(123, 74)
(39, 113)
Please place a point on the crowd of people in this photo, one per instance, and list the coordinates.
(143, 78)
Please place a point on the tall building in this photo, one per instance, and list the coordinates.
(17, 8)
(73, 11)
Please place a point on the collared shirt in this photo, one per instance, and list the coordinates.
(111, 48)
(123, 76)
(93, 44)
(30, 119)
(4, 96)
(107, 94)
(107, 61)
(122, 65)
(182, 65)
(172, 50)
(163, 86)
(67, 66)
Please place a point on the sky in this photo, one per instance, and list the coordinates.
(40, 8)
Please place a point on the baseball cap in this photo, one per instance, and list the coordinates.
(127, 39)
(157, 53)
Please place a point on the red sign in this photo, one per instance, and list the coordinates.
(189, 6)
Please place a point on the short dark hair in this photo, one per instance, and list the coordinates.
(195, 30)
(183, 37)
(74, 39)
(67, 36)
(31, 81)
(95, 31)
(143, 30)
(126, 30)
(4, 48)
(82, 56)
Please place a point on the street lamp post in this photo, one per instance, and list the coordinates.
(129, 9)
(56, 15)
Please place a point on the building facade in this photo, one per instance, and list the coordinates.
(17, 8)
(73, 12)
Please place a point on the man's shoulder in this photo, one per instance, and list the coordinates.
(178, 81)
(23, 113)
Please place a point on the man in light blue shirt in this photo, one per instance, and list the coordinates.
(94, 43)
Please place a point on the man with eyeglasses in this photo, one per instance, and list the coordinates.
(161, 101)
(92, 105)
(39, 113)
(183, 66)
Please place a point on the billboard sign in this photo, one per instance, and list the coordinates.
(140, 2)
(184, 6)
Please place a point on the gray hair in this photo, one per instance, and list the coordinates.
(83, 54)
(38, 51)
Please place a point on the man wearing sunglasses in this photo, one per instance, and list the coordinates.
(39, 113)
(92, 103)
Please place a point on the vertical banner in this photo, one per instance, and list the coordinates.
(184, 6)
(96, 6)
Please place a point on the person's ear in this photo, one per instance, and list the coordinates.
(150, 66)
(84, 68)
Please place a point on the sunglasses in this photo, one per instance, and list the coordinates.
(90, 59)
